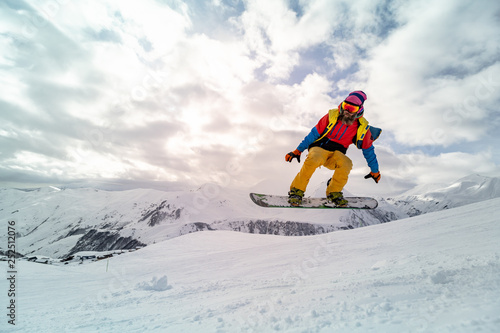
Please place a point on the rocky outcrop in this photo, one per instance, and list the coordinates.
(160, 213)
(283, 228)
(95, 240)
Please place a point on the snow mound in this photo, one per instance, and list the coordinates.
(156, 284)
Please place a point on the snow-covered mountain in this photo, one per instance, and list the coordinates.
(436, 272)
(431, 198)
(58, 222)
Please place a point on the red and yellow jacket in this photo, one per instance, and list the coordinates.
(331, 134)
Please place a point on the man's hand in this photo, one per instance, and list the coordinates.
(291, 155)
(374, 175)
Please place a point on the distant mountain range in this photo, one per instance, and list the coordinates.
(58, 222)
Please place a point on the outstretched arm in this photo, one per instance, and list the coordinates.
(371, 159)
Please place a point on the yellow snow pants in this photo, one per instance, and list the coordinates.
(333, 160)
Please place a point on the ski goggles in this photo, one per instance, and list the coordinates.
(351, 108)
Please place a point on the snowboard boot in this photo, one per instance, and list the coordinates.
(337, 198)
(295, 197)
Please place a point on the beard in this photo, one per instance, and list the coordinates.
(348, 118)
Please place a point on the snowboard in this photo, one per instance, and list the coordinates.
(281, 201)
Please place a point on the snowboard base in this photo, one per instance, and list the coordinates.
(281, 201)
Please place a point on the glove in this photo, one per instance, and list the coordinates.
(291, 155)
(374, 175)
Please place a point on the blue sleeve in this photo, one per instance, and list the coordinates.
(310, 138)
(371, 158)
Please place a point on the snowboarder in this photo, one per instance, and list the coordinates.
(328, 142)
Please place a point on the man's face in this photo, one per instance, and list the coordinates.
(349, 112)
(348, 118)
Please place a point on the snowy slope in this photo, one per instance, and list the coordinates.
(57, 223)
(438, 272)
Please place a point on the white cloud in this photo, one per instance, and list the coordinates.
(182, 91)
(445, 167)
(275, 33)
(430, 70)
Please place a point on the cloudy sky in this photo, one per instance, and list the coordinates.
(176, 94)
